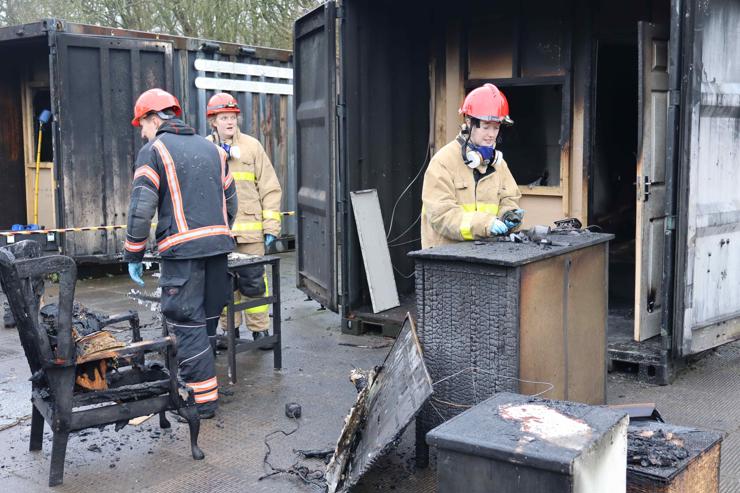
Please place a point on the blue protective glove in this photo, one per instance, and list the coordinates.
(269, 240)
(135, 271)
(498, 227)
(511, 224)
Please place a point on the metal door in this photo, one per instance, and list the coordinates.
(708, 263)
(651, 161)
(96, 80)
(314, 96)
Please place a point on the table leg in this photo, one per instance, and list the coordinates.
(276, 318)
(231, 337)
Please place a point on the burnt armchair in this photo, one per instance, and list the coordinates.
(136, 387)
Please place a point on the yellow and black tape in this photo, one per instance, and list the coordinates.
(60, 230)
(85, 228)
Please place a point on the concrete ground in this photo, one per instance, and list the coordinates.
(316, 366)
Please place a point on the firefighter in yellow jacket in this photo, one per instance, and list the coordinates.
(469, 192)
(257, 223)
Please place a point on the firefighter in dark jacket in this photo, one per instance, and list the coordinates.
(187, 179)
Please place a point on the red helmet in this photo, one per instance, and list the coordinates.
(222, 103)
(488, 104)
(154, 100)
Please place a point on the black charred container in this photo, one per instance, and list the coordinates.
(89, 78)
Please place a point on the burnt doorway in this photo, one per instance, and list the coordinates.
(612, 190)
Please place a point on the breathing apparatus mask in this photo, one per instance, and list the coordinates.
(232, 151)
(475, 155)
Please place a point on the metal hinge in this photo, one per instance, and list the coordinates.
(340, 12)
(674, 97)
(644, 187)
(670, 223)
(646, 184)
(340, 110)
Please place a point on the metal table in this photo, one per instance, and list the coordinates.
(236, 344)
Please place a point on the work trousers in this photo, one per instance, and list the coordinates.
(257, 318)
(194, 291)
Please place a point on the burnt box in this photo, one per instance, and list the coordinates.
(512, 443)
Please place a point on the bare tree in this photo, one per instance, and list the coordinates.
(253, 22)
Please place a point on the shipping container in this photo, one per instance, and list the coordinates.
(89, 78)
(626, 117)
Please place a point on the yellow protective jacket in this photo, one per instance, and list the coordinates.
(455, 207)
(258, 190)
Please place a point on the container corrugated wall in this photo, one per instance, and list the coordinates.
(266, 117)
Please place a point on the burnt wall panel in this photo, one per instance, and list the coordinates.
(97, 145)
(122, 147)
(315, 92)
(468, 317)
(12, 185)
(83, 164)
(387, 92)
(152, 69)
(267, 118)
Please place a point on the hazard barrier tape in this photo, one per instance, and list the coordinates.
(60, 230)
(88, 228)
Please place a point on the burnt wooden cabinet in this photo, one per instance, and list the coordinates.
(518, 317)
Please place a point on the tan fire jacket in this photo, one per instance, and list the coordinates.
(455, 208)
(258, 190)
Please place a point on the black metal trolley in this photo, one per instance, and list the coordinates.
(236, 344)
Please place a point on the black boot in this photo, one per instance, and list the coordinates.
(260, 335)
(201, 414)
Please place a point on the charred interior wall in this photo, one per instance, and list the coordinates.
(615, 111)
(612, 170)
(12, 186)
(386, 86)
(15, 56)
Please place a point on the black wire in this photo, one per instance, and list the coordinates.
(404, 243)
(418, 218)
(413, 180)
(308, 476)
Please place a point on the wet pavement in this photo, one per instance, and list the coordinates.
(315, 375)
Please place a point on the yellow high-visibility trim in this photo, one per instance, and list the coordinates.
(261, 308)
(248, 226)
(487, 207)
(466, 226)
(272, 215)
(243, 176)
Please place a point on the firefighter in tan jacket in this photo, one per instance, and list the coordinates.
(469, 192)
(257, 223)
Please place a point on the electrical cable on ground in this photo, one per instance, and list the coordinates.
(311, 477)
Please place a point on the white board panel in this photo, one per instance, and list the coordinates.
(375, 254)
(232, 85)
(243, 69)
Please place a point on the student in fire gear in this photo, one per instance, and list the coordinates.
(469, 192)
(186, 179)
(258, 221)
